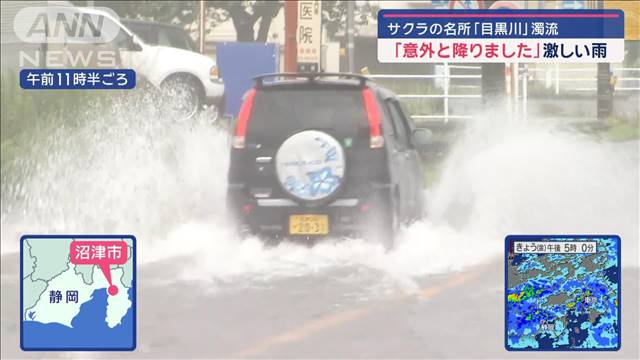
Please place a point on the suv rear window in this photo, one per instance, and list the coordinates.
(278, 113)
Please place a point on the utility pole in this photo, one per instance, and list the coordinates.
(604, 86)
(201, 26)
(350, 46)
(290, 28)
(493, 83)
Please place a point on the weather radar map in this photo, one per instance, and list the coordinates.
(562, 293)
(78, 293)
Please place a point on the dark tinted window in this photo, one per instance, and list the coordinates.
(144, 32)
(399, 122)
(162, 35)
(175, 38)
(276, 114)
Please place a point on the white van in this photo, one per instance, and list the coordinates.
(188, 80)
(191, 78)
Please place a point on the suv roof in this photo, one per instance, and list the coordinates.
(320, 80)
(347, 79)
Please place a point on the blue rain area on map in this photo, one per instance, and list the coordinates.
(89, 329)
(524, 317)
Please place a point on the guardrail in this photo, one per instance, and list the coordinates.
(520, 98)
(446, 95)
(554, 76)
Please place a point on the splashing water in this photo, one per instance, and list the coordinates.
(133, 170)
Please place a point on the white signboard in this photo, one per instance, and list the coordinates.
(308, 33)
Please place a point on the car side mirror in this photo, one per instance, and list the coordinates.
(421, 139)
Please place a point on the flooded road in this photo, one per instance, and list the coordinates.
(205, 292)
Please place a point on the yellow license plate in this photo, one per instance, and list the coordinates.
(308, 224)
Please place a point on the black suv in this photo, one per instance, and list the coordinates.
(324, 154)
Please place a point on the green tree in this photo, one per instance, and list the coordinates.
(334, 15)
(243, 14)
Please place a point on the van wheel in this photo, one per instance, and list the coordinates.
(183, 96)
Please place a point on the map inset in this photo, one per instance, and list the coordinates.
(562, 293)
(77, 293)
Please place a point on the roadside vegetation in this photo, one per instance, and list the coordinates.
(619, 128)
(29, 117)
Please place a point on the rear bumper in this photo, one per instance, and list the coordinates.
(347, 216)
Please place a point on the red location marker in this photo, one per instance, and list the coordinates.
(101, 253)
(113, 290)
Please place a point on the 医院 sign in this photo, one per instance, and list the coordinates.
(308, 33)
(414, 36)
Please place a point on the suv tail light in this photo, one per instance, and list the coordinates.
(243, 120)
(373, 117)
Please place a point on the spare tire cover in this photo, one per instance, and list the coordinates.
(310, 165)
